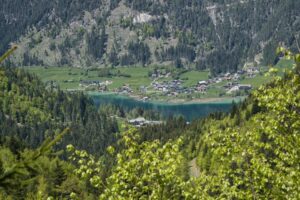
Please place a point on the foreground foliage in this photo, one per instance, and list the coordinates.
(259, 158)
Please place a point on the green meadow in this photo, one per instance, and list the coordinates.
(69, 78)
(135, 77)
(191, 78)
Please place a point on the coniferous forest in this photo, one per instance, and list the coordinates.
(219, 35)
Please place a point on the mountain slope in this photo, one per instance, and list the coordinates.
(220, 35)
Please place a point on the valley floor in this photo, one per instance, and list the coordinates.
(162, 84)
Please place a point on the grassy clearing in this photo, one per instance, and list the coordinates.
(256, 81)
(134, 71)
(285, 64)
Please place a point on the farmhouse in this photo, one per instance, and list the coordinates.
(202, 83)
(245, 87)
(201, 88)
(138, 121)
(239, 87)
(89, 82)
(125, 89)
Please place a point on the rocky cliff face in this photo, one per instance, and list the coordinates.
(220, 35)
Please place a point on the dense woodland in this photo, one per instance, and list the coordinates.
(219, 35)
(31, 113)
(56, 145)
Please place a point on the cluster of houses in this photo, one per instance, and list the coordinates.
(94, 84)
(173, 88)
(232, 79)
(125, 89)
(231, 87)
(251, 71)
(169, 87)
(140, 121)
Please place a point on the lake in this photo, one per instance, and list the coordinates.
(190, 111)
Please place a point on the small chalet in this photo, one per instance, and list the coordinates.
(202, 83)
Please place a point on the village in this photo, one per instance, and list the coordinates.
(228, 82)
(94, 84)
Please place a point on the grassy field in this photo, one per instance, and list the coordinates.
(193, 77)
(139, 76)
(69, 78)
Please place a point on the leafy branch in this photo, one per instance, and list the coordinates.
(27, 164)
(8, 53)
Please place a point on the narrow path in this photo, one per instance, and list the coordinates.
(194, 169)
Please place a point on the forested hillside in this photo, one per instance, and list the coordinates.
(250, 153)
(30, 113)
(218, 35)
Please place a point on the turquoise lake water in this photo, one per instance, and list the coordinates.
(189, 111)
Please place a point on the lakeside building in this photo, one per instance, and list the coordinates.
(141, 121)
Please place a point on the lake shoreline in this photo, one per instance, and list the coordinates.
(226, 100)
(189, 110)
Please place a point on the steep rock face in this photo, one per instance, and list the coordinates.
(142, 18)
(220, 35)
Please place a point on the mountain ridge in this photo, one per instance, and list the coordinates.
(217, 35)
